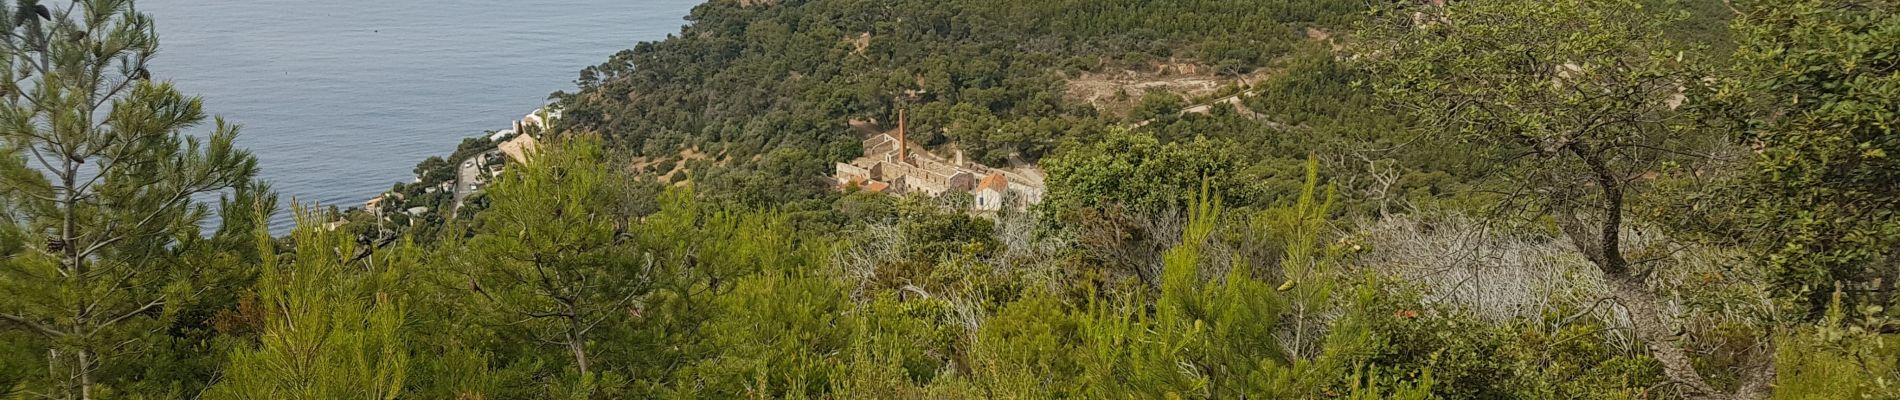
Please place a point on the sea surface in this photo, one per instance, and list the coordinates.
(340, 99)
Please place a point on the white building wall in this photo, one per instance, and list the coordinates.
(988, 200)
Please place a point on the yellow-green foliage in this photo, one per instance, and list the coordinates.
(772, 336)
(1205, 338)
(1215, 336)
(1838, 358)
(1029, 348)
(332, 325)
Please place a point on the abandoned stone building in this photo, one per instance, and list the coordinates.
(892, 165)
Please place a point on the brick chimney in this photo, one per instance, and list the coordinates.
(903, 145)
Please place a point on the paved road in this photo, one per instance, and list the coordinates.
(465, 176)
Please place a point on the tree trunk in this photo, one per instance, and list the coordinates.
(81, 275)
(1648, 322)
(85, 374)
(1601, 243)
(577, 343)
(1651, 327)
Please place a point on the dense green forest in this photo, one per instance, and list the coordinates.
(1481, 199)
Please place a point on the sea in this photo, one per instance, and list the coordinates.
(339, 99)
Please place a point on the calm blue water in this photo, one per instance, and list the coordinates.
(341, 98)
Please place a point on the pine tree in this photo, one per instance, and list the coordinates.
(103, 183)
(332, 321)
(549, 252)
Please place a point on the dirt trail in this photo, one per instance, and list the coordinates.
(1119, 93)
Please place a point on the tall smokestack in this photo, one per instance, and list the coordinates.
(903, 145)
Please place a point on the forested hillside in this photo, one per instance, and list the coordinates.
(1481, 199)
(782, 79)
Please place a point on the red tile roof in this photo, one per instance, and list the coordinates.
(996, 182)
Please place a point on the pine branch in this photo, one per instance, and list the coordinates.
(134, 313)
(42, 329)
